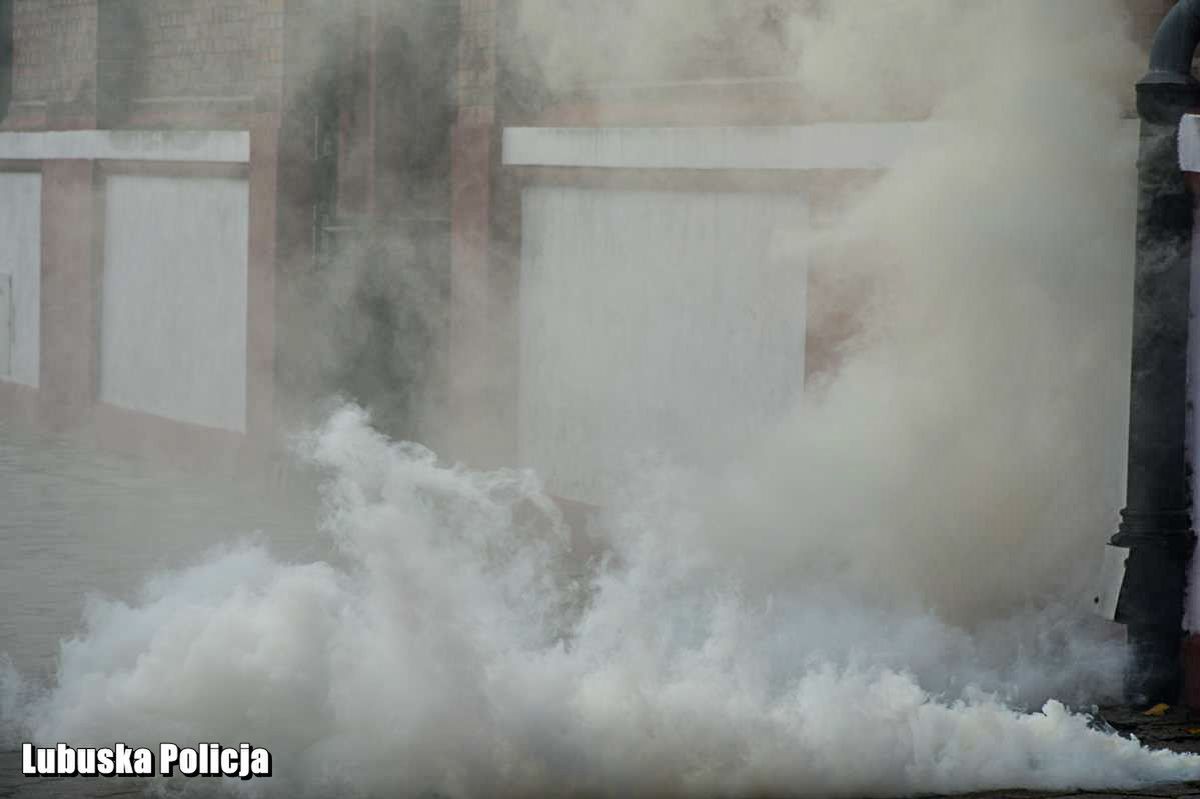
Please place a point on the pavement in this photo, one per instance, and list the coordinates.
(1175, 729)
(13, 784)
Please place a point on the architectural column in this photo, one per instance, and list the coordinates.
(70, 291)
(472, 432)
(263, 224)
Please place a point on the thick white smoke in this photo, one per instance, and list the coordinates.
(880, 596)
(969, 453)
(459, 650)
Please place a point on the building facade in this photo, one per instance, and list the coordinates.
(180, 180)
(214, 214)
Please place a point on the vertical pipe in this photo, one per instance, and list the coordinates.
(1156, 522)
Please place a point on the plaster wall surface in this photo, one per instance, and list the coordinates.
(654, 322)
(173, 304)
(20, 276)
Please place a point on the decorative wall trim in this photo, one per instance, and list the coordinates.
(869, 146)
(211, 146)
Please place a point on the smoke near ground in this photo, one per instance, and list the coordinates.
(882, 594)
(458, 650)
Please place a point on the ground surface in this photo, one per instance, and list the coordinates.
(76, 522)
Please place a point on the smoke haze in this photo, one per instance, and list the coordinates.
(881, 591)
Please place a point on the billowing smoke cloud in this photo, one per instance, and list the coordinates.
(459, 650)
(879, 595)
(969, 450)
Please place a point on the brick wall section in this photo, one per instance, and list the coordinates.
(54, 58)
(153, 50)
(199, 48)
(268, 49)
(477, 62)
(234, 48)
(471, 368)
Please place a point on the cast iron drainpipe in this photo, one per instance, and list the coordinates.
(1156, 522)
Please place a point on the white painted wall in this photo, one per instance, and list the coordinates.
(840, 145)
(653, 320)
(822, 146)
(21, 261)
(214, 146)
(173, 307)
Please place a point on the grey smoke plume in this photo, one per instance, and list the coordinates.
(970, 449)
(455, 650)
(879, 594)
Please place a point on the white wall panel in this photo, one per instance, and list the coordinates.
(221, 146)
(822, 146)
(21, 262)
(173, 311)
(842, 145)
(654, 321)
